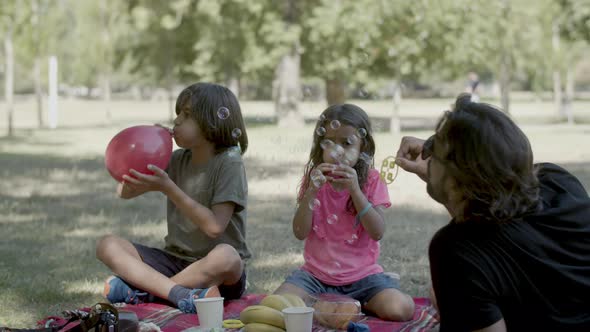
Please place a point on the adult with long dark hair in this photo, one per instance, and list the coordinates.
(516, 254)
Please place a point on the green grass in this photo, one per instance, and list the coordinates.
(56, 200)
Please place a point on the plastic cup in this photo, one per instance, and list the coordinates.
(210, 312)
(298, 319)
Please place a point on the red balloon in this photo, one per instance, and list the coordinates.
(137, 147)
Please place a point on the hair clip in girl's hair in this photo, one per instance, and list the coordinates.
(389, 170)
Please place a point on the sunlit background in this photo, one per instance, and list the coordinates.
(76, 72)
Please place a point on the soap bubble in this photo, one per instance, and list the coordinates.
(236, 133)
(362, 132)
(223, 113)
(314, 204)
(349, 155)
(335, 124)
(332, 219)
(321, 131)
(326, 144)
(352, 140)
(366, 158)
(337, 152)
(317, 178)
(353, 239)
(334, 268)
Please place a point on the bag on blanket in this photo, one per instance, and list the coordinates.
(102, 317)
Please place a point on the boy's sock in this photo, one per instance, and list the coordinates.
(117, 290)
(178, 293)
(184, 297)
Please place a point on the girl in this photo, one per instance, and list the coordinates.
(341, 219)
(206, 190)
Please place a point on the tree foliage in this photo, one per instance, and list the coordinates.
(162, 43)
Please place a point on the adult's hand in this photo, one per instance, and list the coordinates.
(409, 157)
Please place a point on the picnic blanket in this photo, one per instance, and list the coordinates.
(170, 319)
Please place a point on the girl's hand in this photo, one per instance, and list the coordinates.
(345, 176)
(159, 181)
(318, 176)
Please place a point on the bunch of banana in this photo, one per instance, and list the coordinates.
(282, 301)
(267, 316)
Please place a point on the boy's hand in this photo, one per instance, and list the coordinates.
(125, 190)
(159, 181)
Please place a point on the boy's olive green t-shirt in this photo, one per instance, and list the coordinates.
(221, 179)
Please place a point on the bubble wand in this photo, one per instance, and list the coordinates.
(389, 170)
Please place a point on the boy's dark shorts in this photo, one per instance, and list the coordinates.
(170, 265)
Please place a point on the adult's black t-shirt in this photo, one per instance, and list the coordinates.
(534, 272)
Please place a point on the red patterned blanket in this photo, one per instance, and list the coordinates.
(170, 319)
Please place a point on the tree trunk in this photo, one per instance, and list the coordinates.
(287, 92)
(505, 79)
(557, 85)
(38, 91)
(395, 126)
(106, 86)
(505, 59)
(335, 92)
(52, 111)
(569, 95)
(233, 83)
(557, 95)
(37, 63)
(9, 79)
(106, 37)
(287, 85)
(171, 101)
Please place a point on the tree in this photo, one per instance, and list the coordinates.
(106, 17)
(46, 24)
(12, 18)
(570, 25)
(286, 85)
(101, 25)
(246, 40)
(492, 36)
(160, 43)
(410, 39)
(575, 19)
(223, 41)
(36, 42)
(334, 38)
(237, 39)
(9, 73)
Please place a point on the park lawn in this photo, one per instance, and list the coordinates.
(57, 199)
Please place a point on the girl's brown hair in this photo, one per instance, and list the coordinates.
(346, 114)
